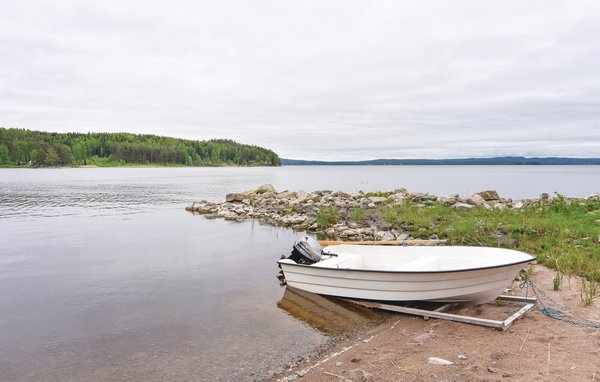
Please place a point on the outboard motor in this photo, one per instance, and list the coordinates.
(306, 251)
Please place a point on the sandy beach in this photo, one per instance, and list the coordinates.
(535, 348)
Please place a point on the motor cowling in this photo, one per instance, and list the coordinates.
(306, 250)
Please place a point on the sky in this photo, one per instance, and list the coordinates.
(322, 80)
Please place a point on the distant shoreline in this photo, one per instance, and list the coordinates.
(493, 161)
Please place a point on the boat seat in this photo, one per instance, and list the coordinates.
(345, 262)
(420, 264)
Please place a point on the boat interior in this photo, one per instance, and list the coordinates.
(417, 259)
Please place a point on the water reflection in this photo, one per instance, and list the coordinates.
(330, 315)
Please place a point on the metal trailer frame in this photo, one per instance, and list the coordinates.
(529, 304)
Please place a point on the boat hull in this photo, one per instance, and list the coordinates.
(478, 285)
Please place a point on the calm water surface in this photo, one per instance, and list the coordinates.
(104, 276)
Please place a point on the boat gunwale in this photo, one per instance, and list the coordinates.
(408, 272)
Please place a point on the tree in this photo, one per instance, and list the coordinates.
(79, 152)
(3, 154)
(52, 158)
(27, 147)
(64, 154)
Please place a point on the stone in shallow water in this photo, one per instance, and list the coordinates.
(233, 198)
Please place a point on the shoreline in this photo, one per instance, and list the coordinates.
(561, 231)
(128, 166)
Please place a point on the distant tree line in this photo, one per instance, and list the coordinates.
(19, 147)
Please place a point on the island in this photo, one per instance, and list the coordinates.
(27, 148)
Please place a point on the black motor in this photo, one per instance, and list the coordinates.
(306, 251)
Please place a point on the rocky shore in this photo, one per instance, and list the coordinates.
(340, 215)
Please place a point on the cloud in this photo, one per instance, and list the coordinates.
(312, 80)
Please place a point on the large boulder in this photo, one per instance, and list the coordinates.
(265, 188)
(476, 200)
(489, 195)
(302, 196)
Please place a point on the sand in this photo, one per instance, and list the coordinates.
(535, 348)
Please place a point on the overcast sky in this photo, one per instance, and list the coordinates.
(332, 80)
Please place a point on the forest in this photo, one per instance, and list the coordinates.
(27, 148)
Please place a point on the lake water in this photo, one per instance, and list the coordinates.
(104, 276)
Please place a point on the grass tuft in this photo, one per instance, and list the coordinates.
(327, 216)
(589, 291)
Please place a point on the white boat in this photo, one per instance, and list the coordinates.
(403, 273)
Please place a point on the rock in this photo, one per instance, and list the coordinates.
(438, 361)
(234, 198)
(302, 196)
(403, 236)
(518, 205)
(446, 200)
(206, 208)
(377, 199)
(462, 206)
(476, 200)
(265, 188)
(384, 236)
(489, 195)
(398, 198)
(434, 237)
(286, 195)
(228, 215)
(348, 233)
(341, 194)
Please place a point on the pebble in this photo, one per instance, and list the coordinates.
(438, 361)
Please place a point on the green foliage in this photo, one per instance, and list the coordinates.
(327, 216)
(359, 215)
(20, 147)
(4, 154)
(561, 233)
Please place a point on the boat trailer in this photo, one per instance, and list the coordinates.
(528, 304)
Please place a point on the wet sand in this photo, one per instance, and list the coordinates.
(535, 348)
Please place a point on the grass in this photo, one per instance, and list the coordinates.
(360, 215)
(557, 280)
(562, 234)
(589, 291)
(327, 215)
